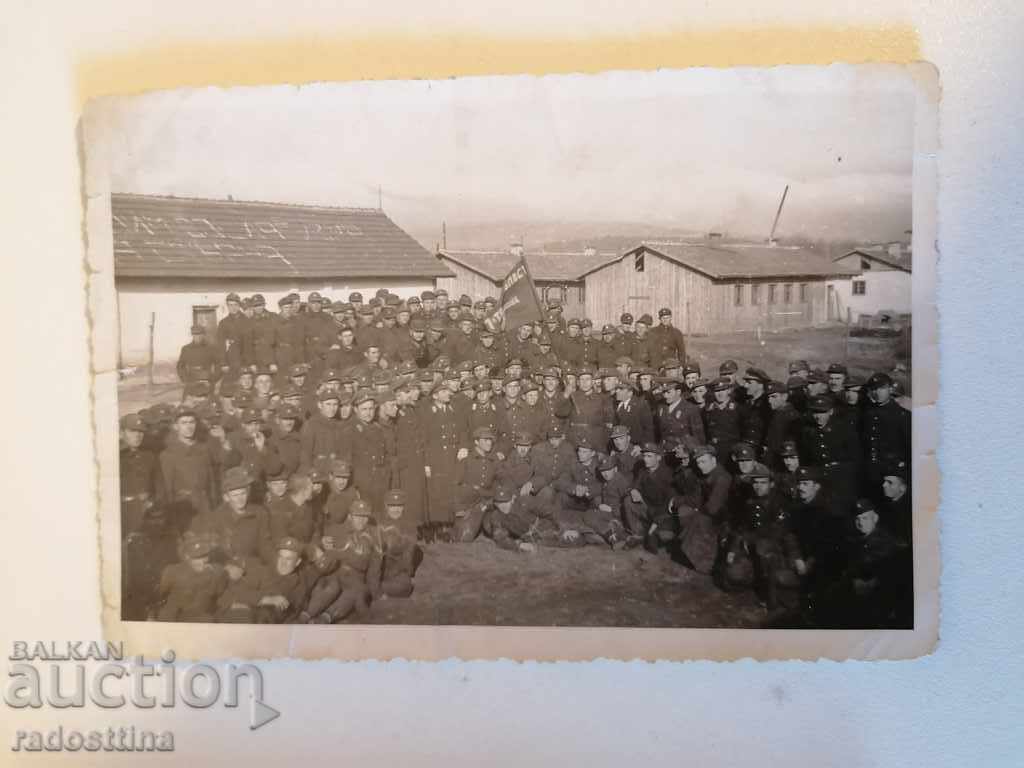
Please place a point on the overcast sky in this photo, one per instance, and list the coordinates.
(697, 149)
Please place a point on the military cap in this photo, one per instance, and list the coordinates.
(418, 324)
(605, 463)
(290, 544)
(551, 316)
(862, 506)
(330, 375)
(258, 300)
(233, 297)
(329, 394)
(355, 297)
(795, 382)
(340, 468)
(467, 384)
(555, 303)
(388, 312)
(347, 306)
(583, 441)
(729, 366)
(776, 388)
(288, 411)
(514, 361)
(297, 369)
(406, 368)
(197, 548)
(619, 430)
(607, 328)
(701, 382)
(808, 473)
(820, 404)
(465, 301)
(529, 386)
(133, 423)
(366, 309)
(854, 382)
(704, 450)
(586, 370)
(385, 376)
(490, 301)
(235, 478)
(482, 386)
(294, 297)
(337, 306)
(484, 433)
(314, 298)
(250, 415)
(284, 301)
(743, 452)
(607, 373)
(360, 508)
(376, 301)
(184, 410)
(391, 300)
(788, 448)
(522, 438)
(691, 368)
(428, 296)
(485, 331)
(897, 469)
(798, 365)
(646, 319)
(556, 430)
(550, 373)
(395, 498)
(623, 360)
(319, 471)
(437, 325)
(380, 293)
(198, 330)
(879, 380)
(544, 339)
(721, 383)
(570, 371)
(664, 312)
(837, 368)
(504, 494)
(626, 319)
(586, 322)
(413, 300)
(817, 376)
(281, 475)
(759, 470)
(425, 376)
(757, 375)
(442, 292)
(650, 447)
(362, 396)
(573, 321)
(247, 303)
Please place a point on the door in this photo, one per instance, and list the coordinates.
(206, 316)
(831, 303)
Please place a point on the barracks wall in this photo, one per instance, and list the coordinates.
(466, 281)
(172, 302)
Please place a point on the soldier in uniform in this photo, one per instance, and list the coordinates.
(666, 341)
(722, 418)
(624, 451)
(646, 509)
(633, 412)
(371, 457)
(592, 410)
(699, 529)
(556, 406)
(896, 507)
(784, 424)
(147, 550)
(320, 434)
(755, 412)
(822, 533)
(234, 333)
(187, 467)
(474, 485)
(401, 554)
(141, 481)
(189, 590)
(832, 446)
(290, 337)
(264, 335)
(446, 446)
(607, 350)
(678, 418)
(786, 469)
(358, 553)
(885, 429)
(548, 461)
(238, 527)
(284, 439)
(294, 587)
(483, 412)
(520, 523)
(515, 469)
(292, 514)
(199, 360)
(578, 488)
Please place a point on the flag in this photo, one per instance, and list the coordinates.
(519, 303)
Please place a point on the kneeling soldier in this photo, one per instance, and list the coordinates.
(293, 587)
(474, 486)
(358, 553)
(604, 517)
(646, 509)
(512, 522)
(402, 555)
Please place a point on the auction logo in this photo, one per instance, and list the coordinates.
(61, 677)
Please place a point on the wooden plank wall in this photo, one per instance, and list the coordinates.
(466, 281)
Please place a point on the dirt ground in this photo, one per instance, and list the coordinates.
(590, 586)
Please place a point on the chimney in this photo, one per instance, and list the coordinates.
(590, 251)
(516, 249)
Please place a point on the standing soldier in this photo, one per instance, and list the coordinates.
(755, 412)
(290, 337)
(147, 550)
(678, 418)
(318, 332)
(401, 555)
(607, 350)
(199, 360)
(557, 407)
(474, 485)
(234, 334)
(371, 461)
(832, 446)
(885, 431)
(319, 437)
(721, 418)
(514, 416)
(285, 440)
(264, 335)
(187, 468)
(666, 340)
(446, 445)
(633, 412)
(592, 410)
(141, 483)
(641, 348)
(784, 424)
(410, 447)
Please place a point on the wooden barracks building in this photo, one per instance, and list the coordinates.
(175, 259)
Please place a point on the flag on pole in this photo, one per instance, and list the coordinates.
(519, 303)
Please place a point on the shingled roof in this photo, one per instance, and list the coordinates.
(544, 266)
(188, 237)
(903, 262)
(742, 261)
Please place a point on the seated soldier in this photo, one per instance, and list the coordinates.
(515, 469)
(646, 512)
(294, 585)
(237, 604)
(146, 552)
(474, 485)
(698, 527)
(786, 476)
(624, 451)
(341, 494)
(512, 522)
(684, 476)
(358, 553)
(548, 460)
(277, 486)
(760, 544)
(822, 532)
(292, 516)
(189, 590)
(578, 487)
(877, 589)
(402, 555)
(604, 515)
(238, 527)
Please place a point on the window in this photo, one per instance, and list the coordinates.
(787, 293)
(638, 262)
(771, 293)
(803, 293)
(737, 295)
(859, 287)
(865, 264)
(755, 295)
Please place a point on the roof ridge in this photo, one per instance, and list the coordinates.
(308, 206)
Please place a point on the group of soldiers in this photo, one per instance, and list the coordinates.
(316, 452)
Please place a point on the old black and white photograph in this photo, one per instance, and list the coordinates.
(628, 350)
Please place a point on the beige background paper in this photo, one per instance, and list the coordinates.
(959, 706)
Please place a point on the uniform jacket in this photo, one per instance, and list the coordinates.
(188, 471)
(679, 420)
(199, 361)
(319, 439)
(263, 329)
(715, 488)
(140, 475)
(549, 463)
(190, 595)
(234, 333)
(655, 488)
(245, 535)
(722, 423)
(666, 342)
(635, 413)
(886, 432)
